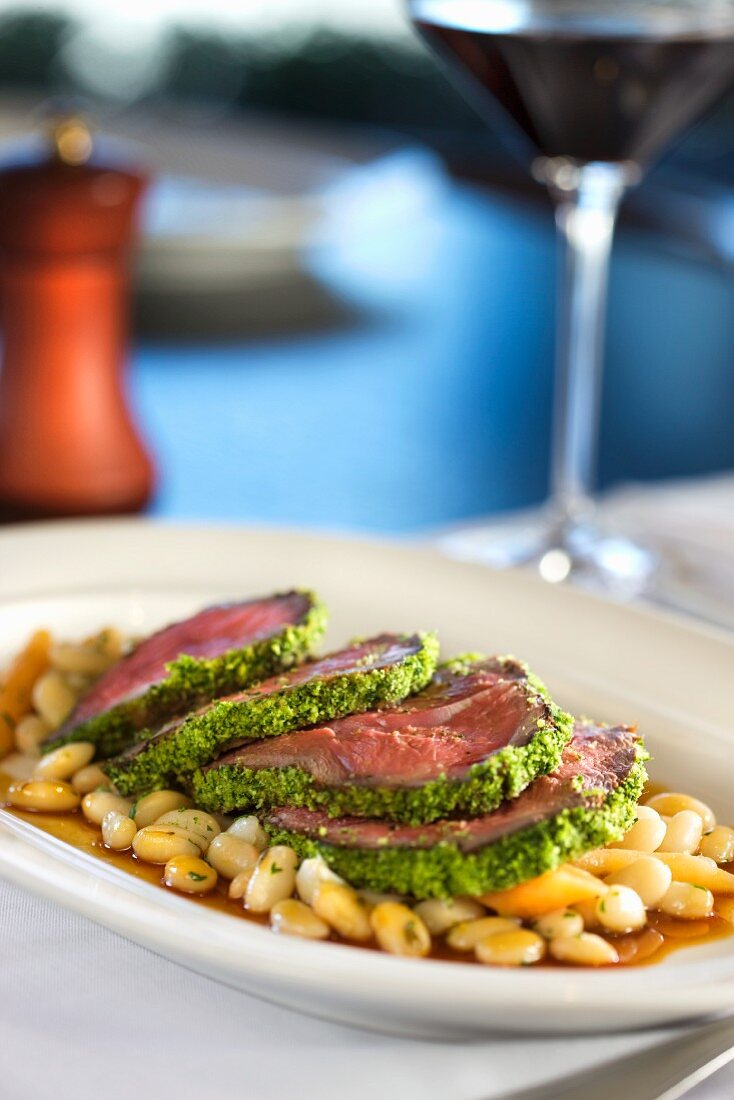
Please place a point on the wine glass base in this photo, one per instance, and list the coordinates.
(583, 553)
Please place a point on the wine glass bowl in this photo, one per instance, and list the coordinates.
(588, 93)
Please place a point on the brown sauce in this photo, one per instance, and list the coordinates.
(663, 935)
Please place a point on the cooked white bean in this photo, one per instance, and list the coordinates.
(719, 844)
(52, 698)
(647, 833)
(250, 829)
(151, 807)
(684, 833)
(587, 911)
(648, 877)
(238, 885)
(90, 778)
(81, 659)
(19, 767)
(202, 826)
(341, 907)
(440, 914)
(190, 875)
(687, 902)
(466, 936)
(520, 947)
(621, 910)
(400, 930)
(50, 796)
(229, 855)
(698, 870)
(118, 831)
(294, 918)
(584, 950)
(560, 922)
(310, 875)
(30, 733)
(98, 803)
(671, 803)
(63, 762)
(272, 880)
(161, 843)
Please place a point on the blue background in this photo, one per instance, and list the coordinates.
(433, 405)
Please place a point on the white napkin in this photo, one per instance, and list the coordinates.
(87, 1015)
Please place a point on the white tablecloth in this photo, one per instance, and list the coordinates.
(87, 1015)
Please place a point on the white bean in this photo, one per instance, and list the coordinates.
(672, 802)
(647, 833)
(560, 922)
(161, 843)
(687, 902)
(118, 831)
(584, 950)
(238, 885)
(310, 875)
(440, 914)
(621, 910)
(519, 947)
(648, 877)
(43, 795)
(466, 936)
(202, 826)
(719, 844)
(399, 930)
(52, 698)
(63, 762)
(18, 766)
(272, 880)
(249, 829)
(98, 803)
(229, 855)
(151, 807)
(30, 733)
(190, 875)
(684, 833)
(82, 659)
(294, 918)
(90, 778)
(341, 907)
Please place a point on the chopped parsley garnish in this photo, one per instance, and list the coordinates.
(196, 877)
(411, 932)
(275, 869)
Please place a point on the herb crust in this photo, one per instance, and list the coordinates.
(503, 775)
(191, 681)
(445, 871)
(173, 756)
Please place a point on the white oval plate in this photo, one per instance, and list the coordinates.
(616, 663)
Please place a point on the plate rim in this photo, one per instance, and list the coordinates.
(375, 972)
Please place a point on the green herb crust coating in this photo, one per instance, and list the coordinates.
(486, 785)
(192, 681)
(172, 756)
(445, 871)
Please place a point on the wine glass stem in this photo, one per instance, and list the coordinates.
(586, 210)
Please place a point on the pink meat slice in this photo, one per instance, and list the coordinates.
(458, 721)
(207, 634)
(594, 763)
(374, 653)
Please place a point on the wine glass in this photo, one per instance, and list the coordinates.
(589, 92)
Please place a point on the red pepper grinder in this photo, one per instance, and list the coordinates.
(68, 445)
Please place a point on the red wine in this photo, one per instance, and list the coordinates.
(584, 82)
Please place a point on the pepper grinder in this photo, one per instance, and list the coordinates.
(68, 444)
